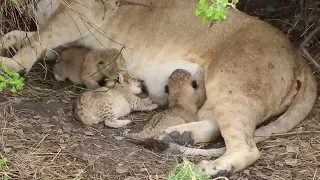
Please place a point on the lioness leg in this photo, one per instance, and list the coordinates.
(241, 150)
(64, 26)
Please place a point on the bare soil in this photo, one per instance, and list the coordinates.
(41, 140)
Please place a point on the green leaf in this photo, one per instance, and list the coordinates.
(202, 4)
(20, 84)
(13, 89)
(7, 71)
(2, 78)
(115, 77)
(216, 11)
(3, 161)
(270, 8)
(3, 84)
(5, 177)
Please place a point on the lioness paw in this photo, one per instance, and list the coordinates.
(216, 168)
(13, 65)
(175, 135)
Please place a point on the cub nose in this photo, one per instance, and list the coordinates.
(144, 88)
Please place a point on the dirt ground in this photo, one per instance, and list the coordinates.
(41, 140)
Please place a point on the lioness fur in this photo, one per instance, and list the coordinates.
(82, 65)
(184, 101)
(107, 104)
(252, 71)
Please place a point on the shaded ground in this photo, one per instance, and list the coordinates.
(41, 140)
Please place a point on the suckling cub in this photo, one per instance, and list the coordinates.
(82, 65)
(185, 98)
(107, 104)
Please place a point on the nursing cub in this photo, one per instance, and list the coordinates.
(107, 104)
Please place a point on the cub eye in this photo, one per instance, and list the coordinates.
(194, 84)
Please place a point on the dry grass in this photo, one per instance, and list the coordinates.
(15, 15)
(41, 140)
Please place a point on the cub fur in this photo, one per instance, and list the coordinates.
(185, 98)
(82, 65)
(109, 103)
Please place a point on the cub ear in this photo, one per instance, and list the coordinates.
(194, 84)
(120, 78)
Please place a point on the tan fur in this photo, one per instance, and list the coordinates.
(83, 65)
(252, 70)
(107, 104)
(184, 102)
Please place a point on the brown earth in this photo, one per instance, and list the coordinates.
(41, 140)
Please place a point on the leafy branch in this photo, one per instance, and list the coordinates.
(216, 11)
(187, 170)
(11, 80)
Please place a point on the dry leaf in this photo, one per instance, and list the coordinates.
(118, 138)
(66, 128)
(131, 178)
(291, 162)
(292, 149)
(88, 133)
(121, 170)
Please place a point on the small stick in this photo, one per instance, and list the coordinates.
(304, 50)
(134, 3)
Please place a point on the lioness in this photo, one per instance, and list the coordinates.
(250, 75)
(185, 98)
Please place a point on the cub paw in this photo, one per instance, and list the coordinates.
(117, 124)
(147, 100)
(152, 107)
(216, 168)
(172, 135)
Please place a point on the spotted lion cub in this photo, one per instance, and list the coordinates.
(82, 65)
(109, 103)
(185, 98)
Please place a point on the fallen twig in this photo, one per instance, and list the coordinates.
(305, 52)
(128, 2)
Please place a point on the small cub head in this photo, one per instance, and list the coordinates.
(126, 80)
(181, 87)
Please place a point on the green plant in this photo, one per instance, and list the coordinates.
(216, 11)
(5, 177)
(3, 161)
(187, 171)
(115, 77)
(12, 80)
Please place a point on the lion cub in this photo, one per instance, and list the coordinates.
(109, 103)
(185, 98)
(82, 65)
